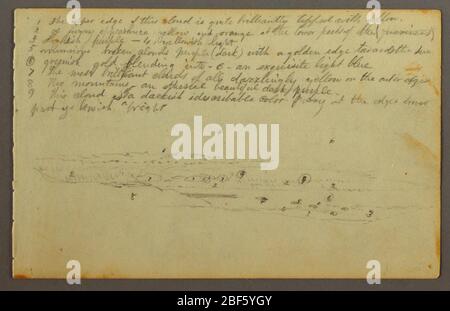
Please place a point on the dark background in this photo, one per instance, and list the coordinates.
(6, 103)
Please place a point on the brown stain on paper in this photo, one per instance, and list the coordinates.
(429, 159)
(435, 89)
(416, 69)
(426, 155)
(413, 68)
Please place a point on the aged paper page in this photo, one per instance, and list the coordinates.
(357, 177)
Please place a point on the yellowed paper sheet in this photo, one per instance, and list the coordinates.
(357, 177)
